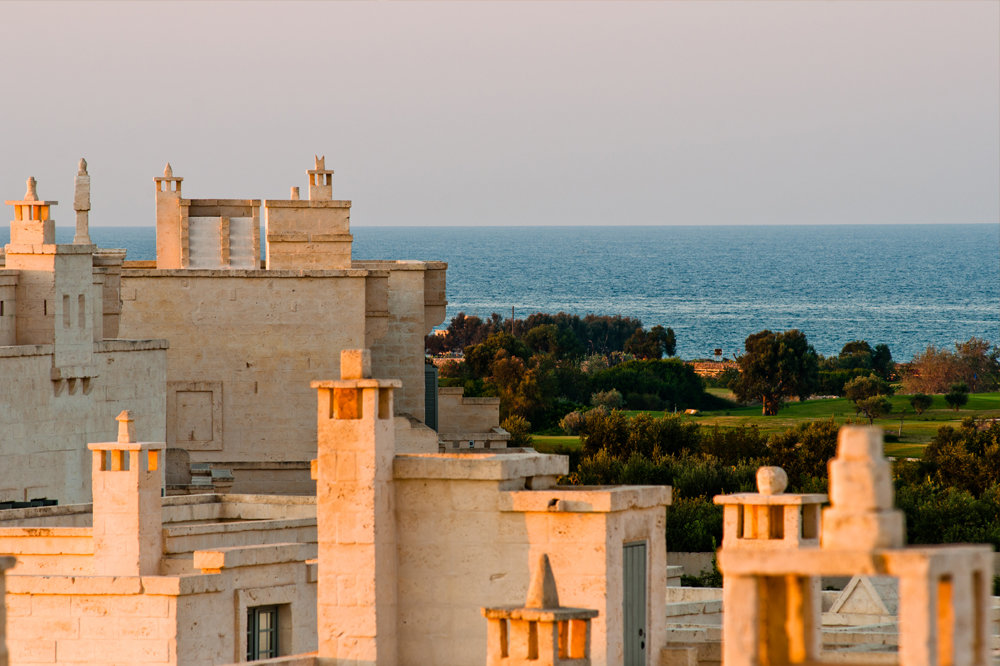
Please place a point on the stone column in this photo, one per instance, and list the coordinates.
(356, 593)
(81, 204)
(128, 524)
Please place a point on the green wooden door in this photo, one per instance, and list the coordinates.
(634, 603)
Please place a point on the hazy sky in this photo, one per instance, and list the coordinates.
(515, 113)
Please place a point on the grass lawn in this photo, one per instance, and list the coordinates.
(553, 444)
(915, 434)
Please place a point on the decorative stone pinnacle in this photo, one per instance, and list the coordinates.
(126, 427)
(82, 168)
(168, 171)
(31, 194)
(542, 592)
(295, 194)
(320, 163)
(771, 480)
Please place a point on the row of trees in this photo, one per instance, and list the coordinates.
(571, 335)
(776, 366)
(974, 363)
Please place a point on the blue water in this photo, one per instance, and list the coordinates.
(906, 286)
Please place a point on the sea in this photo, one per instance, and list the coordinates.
(908, 286)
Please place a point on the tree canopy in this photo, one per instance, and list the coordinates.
(776, 366)
(974, 362)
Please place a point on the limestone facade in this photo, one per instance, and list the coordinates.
(393, 567)
(158, 583)
(68, 374)
(247, 338)
(413, 545)
(469, 423)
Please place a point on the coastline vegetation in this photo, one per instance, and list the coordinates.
(599, 390)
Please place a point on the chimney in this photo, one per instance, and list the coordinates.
(355, 518)
(128, 525)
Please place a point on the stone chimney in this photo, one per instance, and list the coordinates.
(541, 633)
(356, 593)
(169, 226)
(128, 525)
(320, 181)
(32, 224)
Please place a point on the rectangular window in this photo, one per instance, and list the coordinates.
(262, 632)
(81, 313)
(66, 312)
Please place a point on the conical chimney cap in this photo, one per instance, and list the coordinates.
(542, 591)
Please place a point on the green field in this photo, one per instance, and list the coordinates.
(915, 434)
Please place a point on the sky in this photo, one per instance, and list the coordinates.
(514, 113)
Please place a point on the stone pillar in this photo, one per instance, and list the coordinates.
(5, 563)
(356, 593)
(81, 204)
(128, 524)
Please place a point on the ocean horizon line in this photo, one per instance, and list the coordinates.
(603, 226)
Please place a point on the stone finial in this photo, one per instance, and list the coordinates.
(81, 169)
(771, 480)
(126, 427)
(542, 592)
(295, 193)
(861, 515)
(31, 194)
(320, 163)
(168, 171)
(355, 364)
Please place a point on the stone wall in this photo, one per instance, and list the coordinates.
(44, 434)
(457, 414)
(468, 531)
(244, 346)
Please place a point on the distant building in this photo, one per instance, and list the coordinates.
(65, 370)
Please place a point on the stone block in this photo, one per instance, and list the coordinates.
(355, 364)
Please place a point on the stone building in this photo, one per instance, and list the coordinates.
(247, 337)
(65, 371)
(390, 564)
(136, 579)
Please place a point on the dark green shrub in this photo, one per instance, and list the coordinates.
(693, 525)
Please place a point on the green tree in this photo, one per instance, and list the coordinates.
(610, 399)
(980, 364)
(860, 388)
(957, 395)
(652, 345)
(967, 457)
(882, 362)
(519, 429)
(855, 354)
(774, 367)
(668, 339)
(873, 407)
(920, 402)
